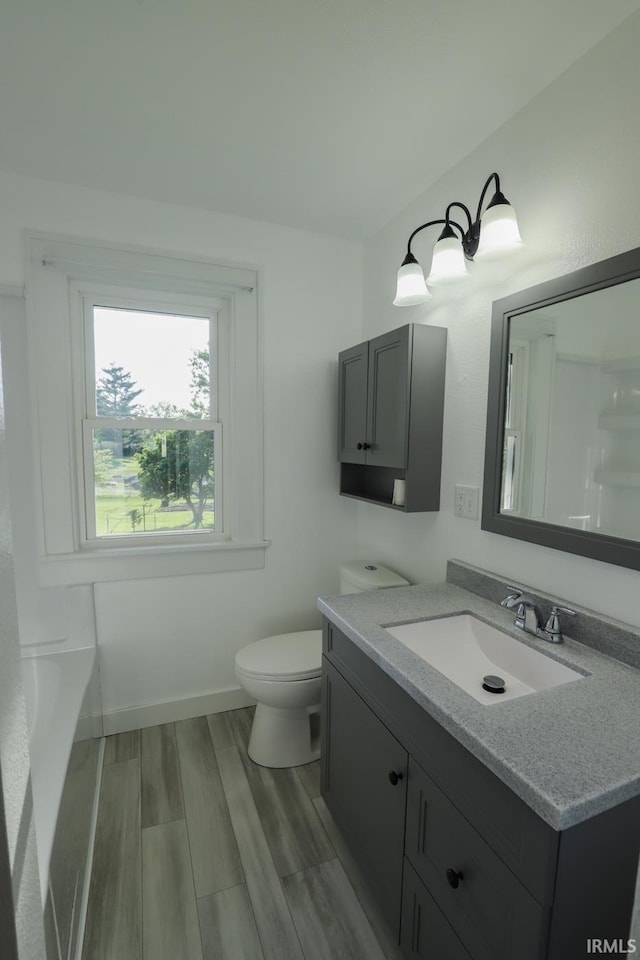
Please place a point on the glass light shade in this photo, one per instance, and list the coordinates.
(499, 234)
(411, 288)
(447, 265)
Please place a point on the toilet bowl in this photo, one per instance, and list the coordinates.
(283, 675)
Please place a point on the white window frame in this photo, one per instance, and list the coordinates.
(59, 272)
(86, 381)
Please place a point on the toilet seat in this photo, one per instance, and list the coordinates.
(284, 657)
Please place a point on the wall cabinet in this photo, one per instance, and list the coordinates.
(465, 870)
(391, 400)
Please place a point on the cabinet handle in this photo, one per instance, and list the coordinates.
(394, 778)
(359, 446)
(366, 446)
(454, 877)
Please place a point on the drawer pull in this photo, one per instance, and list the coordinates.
(454, 877)
(394, 778)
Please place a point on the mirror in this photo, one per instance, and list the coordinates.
(562, 459)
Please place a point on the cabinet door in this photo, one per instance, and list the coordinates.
(388, 399)
(425, 933)
(352, 404)
(364, 775)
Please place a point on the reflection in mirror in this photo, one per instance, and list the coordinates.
(562, 463)
(571, 452)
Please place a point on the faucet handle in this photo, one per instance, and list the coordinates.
(553, 628)
(513, 598)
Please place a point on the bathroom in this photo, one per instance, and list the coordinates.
(567, 157)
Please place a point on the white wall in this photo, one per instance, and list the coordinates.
(569, 164)
(169, 639)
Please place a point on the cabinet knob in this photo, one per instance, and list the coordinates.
(366, 446)
(454, 877)
(394, 777)
(359, 446)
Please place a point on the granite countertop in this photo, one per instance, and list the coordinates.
(569, 752)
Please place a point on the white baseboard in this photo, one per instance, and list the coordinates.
(151, 714)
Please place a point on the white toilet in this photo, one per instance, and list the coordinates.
(282, 674)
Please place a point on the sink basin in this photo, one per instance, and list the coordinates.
(468, 650)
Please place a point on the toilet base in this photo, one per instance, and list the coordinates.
(284, 738)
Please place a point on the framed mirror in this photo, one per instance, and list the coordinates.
(562, 456)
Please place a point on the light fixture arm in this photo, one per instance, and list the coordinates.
(456, 203)
(431, 223)
(493, 176)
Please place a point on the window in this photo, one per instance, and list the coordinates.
(147, 378)
(152, 446)
(514, 426)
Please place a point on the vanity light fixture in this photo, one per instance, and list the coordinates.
(492, 235)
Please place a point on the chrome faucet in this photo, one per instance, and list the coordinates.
(529, 618)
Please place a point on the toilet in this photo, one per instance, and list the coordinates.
(282, 674)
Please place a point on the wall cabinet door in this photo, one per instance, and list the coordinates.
(352, 404)
(374, 401)
(364, 776)
(388, 399)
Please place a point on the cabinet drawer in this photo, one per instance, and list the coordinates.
(425, 933)
(493, 914)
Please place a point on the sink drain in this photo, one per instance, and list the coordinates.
(493, 684)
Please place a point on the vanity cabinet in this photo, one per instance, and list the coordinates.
(465, 869)
(390, 402)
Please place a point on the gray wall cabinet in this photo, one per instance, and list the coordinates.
(461, 867)
(390, 403)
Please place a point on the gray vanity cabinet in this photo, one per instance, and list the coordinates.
(391, 396)
(364, 785)
(465, 870)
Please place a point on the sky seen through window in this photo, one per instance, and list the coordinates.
(155, 348)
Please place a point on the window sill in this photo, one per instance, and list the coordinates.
(140, 563)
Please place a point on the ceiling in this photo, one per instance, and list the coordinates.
(330, 115)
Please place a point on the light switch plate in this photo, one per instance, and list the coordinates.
(466, 501)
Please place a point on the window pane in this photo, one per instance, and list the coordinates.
(153, 481)
(151, 364)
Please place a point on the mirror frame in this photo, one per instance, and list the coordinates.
(598, 546)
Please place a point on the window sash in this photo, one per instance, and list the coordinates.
(89, 535)
(137, 304)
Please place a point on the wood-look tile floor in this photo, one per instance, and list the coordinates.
(201, 854)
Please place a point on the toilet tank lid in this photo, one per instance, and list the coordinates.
(287, 656)
(371, 576)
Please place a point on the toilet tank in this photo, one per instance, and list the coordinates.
(357, 577)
